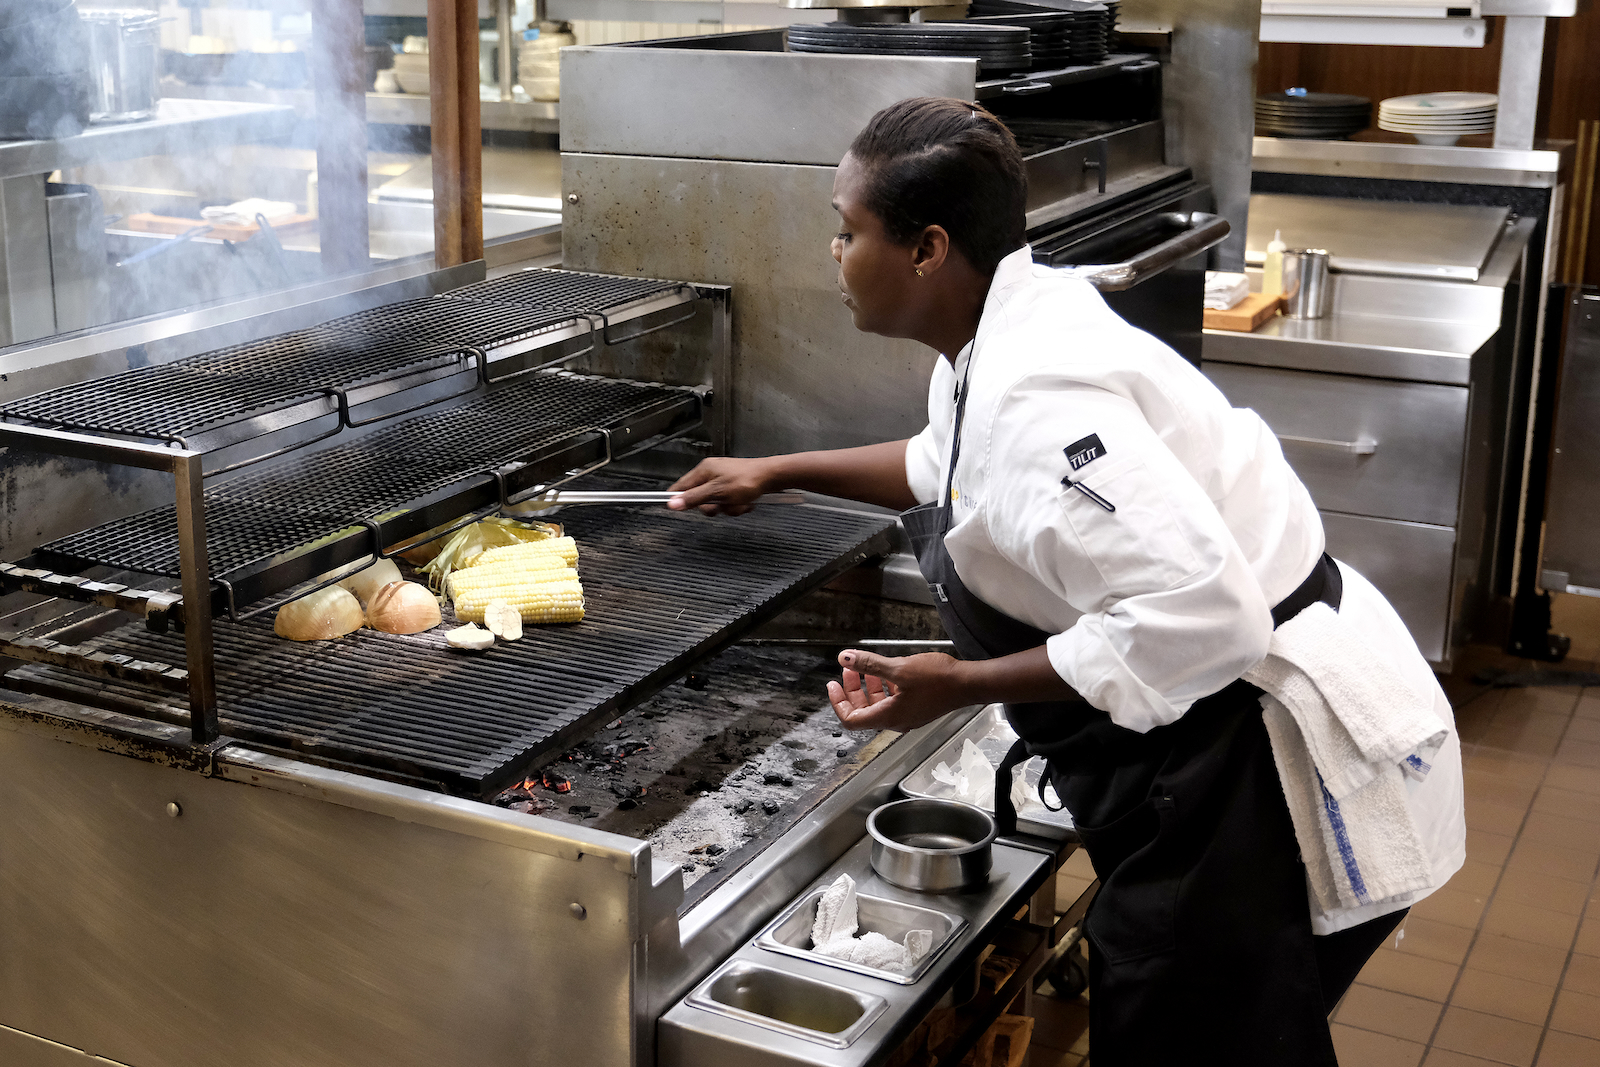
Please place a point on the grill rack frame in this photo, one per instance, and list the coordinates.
(186, 465)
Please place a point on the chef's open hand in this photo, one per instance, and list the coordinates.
(721, 486)
(883, 693)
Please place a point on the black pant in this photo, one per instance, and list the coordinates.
(1341, 956)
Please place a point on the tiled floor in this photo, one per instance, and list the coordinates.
(1502, 966)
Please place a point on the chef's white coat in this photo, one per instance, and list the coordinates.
(1168, 598)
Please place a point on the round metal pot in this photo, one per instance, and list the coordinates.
(125, 58)
(934, 846)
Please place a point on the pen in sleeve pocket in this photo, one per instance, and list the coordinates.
(1090, 493)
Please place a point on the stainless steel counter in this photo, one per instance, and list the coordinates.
(1542, 167)
(397, 109)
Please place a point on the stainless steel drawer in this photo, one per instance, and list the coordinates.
(1363, 446)
(1409, 563)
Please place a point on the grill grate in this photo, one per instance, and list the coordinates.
(546, 287)
(663, 589)
(480, 323)
(276, 508)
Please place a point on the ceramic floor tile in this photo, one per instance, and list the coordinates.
(1476, 878)
(1435, 940)
(1061, 1024)
(1568, 803)
(1489, 1036)
(1577, 1013)
(1497, 994)
(1415, 975)
(1553, 829)
(1486, 847)
(1043, 1056)
(1450, 905)
(1440, 1057)
(1520, 739)
(1386, 1012)
(1496, 817)
(1509, 765)
(1526, 923)
(1588, 941)
(1368, 1049)
(1583, 975)
(1543, 699)
(1588, 706)
(1553, 861)
(1519, 959)
(1481, 785)
(1568, 1050)
(1565, 895)
(1583, 730)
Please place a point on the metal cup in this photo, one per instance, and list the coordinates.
(1305, 283)
(125, 53)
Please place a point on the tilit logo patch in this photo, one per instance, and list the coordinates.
(1085, 451)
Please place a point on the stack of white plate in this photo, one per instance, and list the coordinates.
(1439, 118)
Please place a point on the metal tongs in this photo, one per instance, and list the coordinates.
(565, 497)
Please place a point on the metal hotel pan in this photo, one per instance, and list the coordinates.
(990, 731)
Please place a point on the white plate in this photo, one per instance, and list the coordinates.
(1448, 116)
(1433, 103)
(1460, 131)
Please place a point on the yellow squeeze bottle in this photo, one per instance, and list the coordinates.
(1272, 269)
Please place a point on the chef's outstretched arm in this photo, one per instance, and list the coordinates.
(872, 474)
(883, 693)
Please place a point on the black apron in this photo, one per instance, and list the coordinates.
(1201, 933)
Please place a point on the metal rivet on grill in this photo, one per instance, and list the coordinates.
(572, 198)
(173, 809)
(578, 910)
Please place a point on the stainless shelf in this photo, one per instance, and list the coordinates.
(395, 109)
(1540, 167)
(180, 127)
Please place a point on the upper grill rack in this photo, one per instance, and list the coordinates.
(222, 398)
(267, 513)
(664, 590)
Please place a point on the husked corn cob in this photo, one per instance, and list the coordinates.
(535, 600)
(489, 575)
(563, 548)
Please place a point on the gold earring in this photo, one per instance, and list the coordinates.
(919, 272)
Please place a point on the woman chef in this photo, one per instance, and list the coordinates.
(1110, 546)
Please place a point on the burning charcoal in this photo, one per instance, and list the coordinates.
(578, 809)
(556, 781)
(805, 766)
(742, 805)
(697, 680)
(770, 807)
(842, 753)
(715, 850)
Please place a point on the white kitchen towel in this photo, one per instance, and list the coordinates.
(1224, 289)
(1346, 732)
(833, 934)
(1357, 714)
(1359, 850)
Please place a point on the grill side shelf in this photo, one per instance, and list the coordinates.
(665, 590)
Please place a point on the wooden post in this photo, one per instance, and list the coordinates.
(338, 60)
(457, 132)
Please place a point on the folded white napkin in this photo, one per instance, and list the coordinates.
(1346, 732)
(244, 212)
(1225, 289)
(834, 928)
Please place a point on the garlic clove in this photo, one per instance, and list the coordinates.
(403, 608)
(503, 620)
(471, 636)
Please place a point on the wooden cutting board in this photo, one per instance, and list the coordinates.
(1246, 315)
(227, 231)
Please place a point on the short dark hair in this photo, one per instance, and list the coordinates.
(933, 161)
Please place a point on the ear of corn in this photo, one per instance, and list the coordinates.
(536, 600)
(562, 548)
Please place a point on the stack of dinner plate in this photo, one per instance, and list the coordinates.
(1089, 27)
(1439, 118)
(1049, 35)
(1322, 116)
(996, 48)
